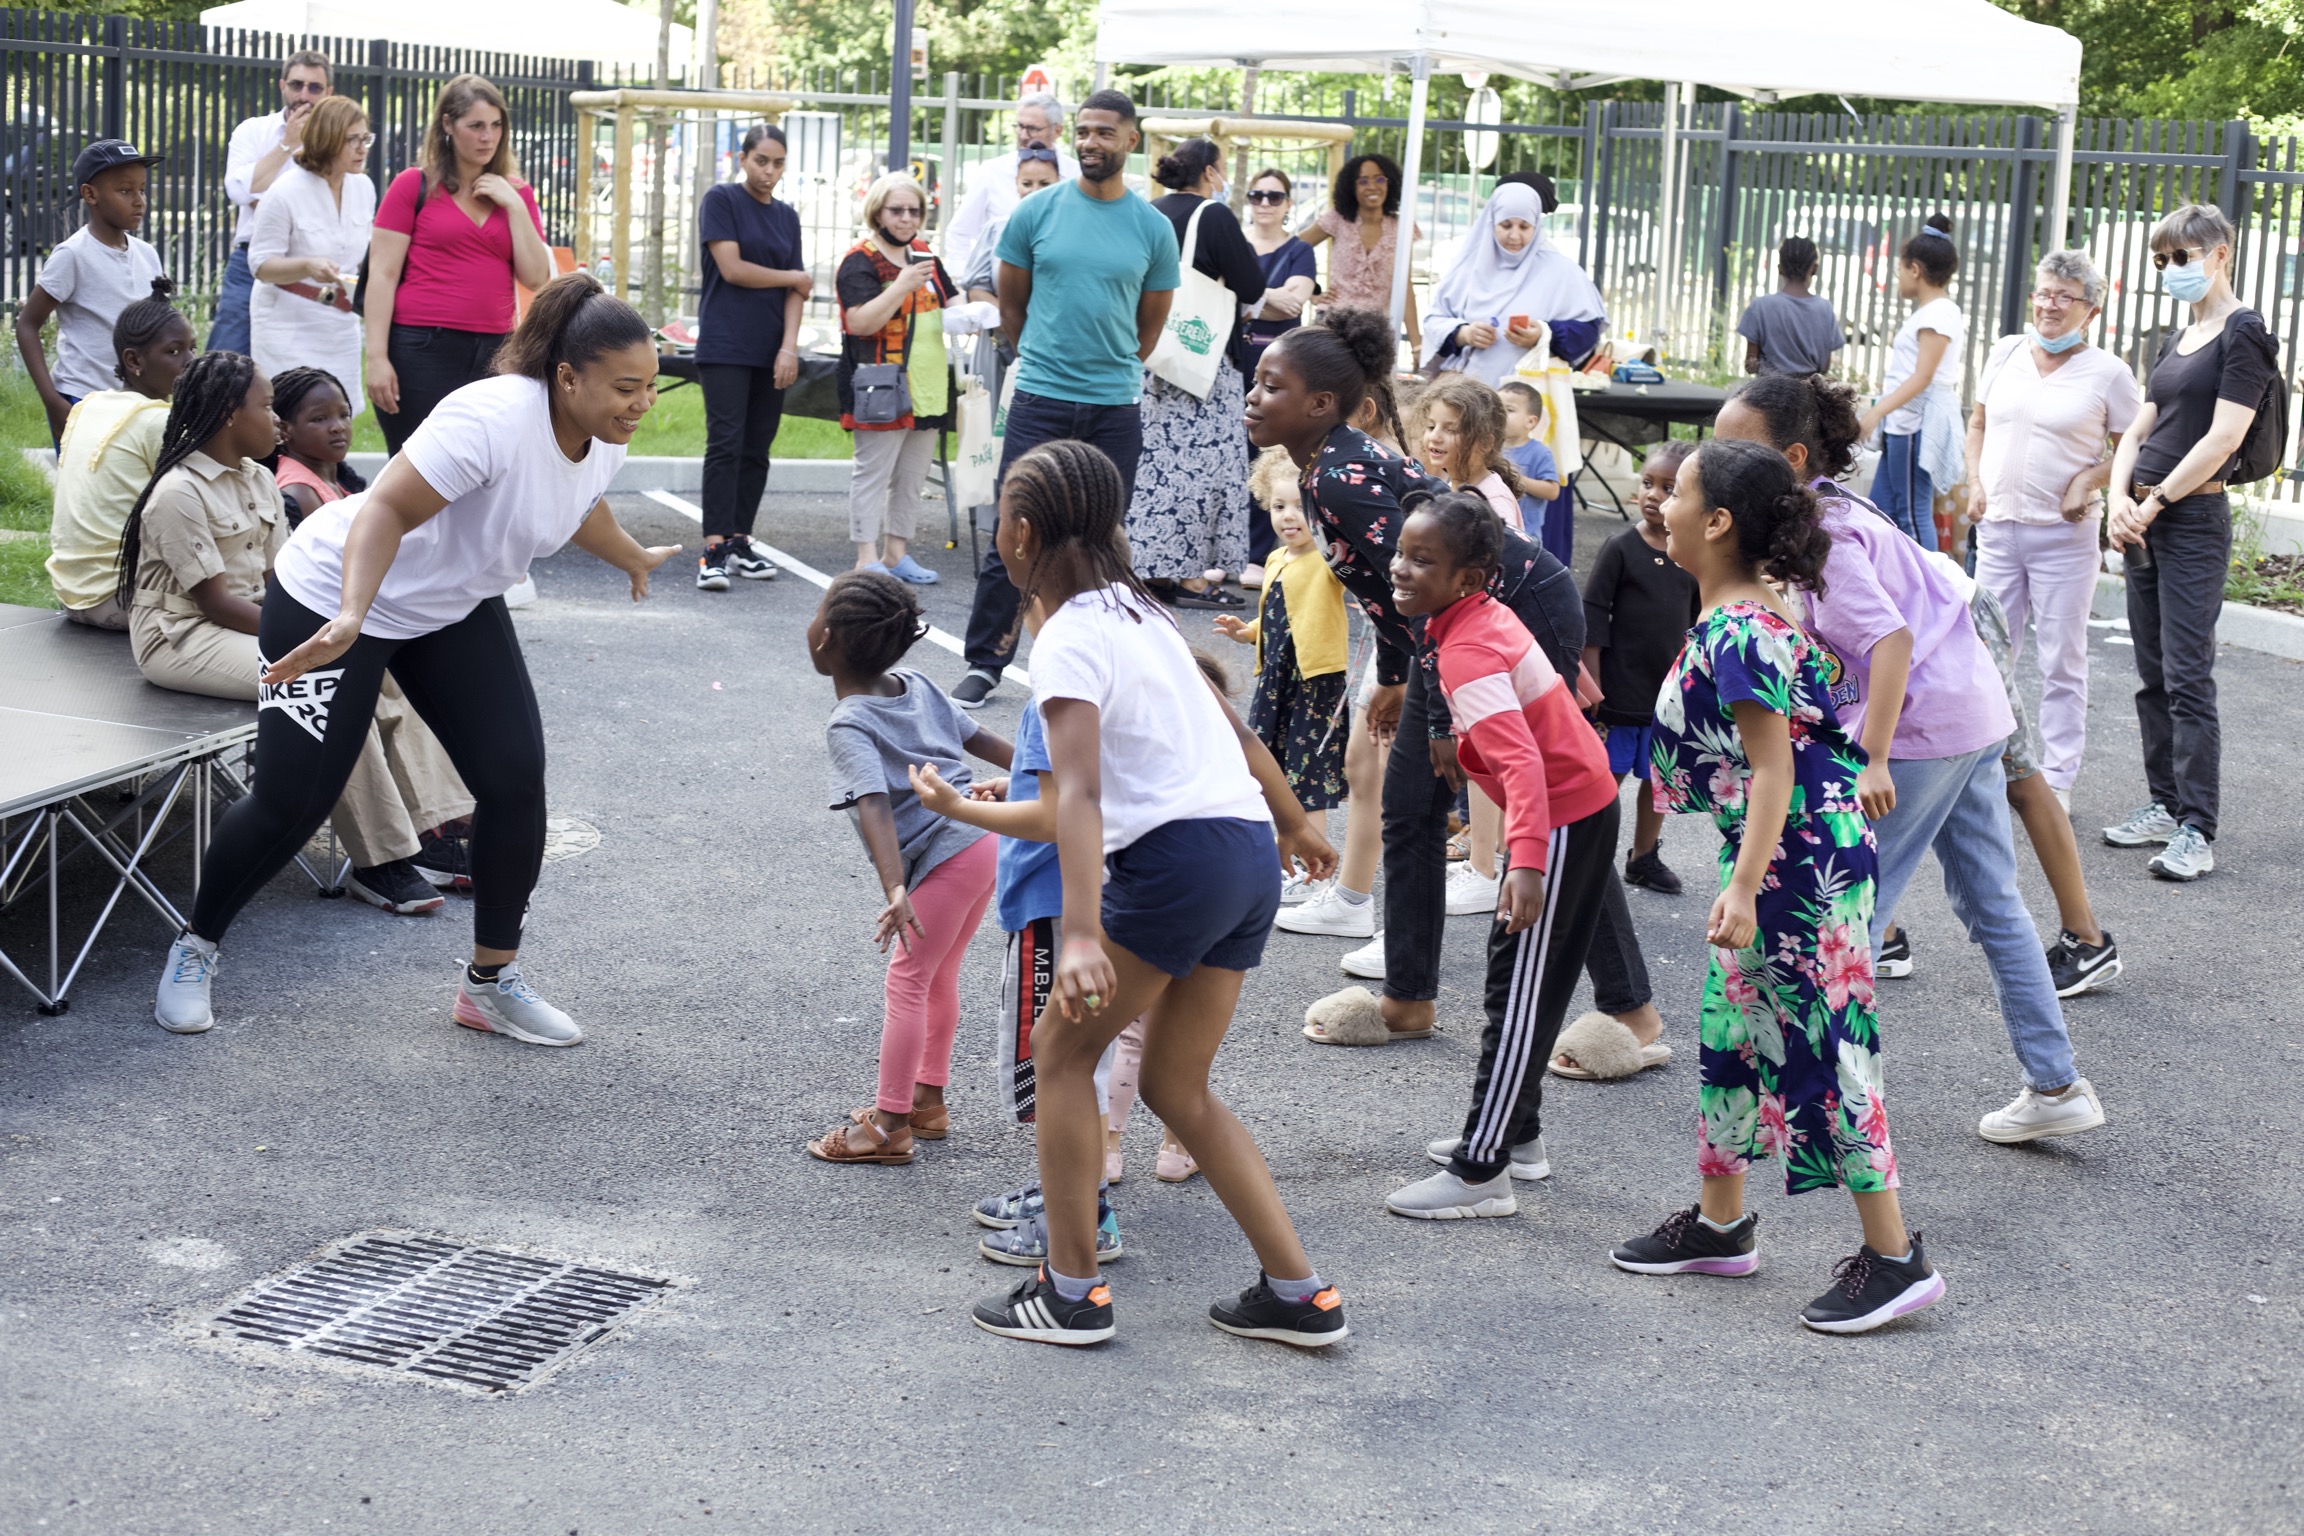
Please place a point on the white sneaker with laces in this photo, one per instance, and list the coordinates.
(1445, 1197)
(2036, 1116)
(2144, 826)
(1366, 962)
(1300, 887)
(1329, 913)
(509, 1006)
(1528, 1159)
(1470, 894)
(2188, 856)
(181, 1008)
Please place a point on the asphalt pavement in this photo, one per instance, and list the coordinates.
(2120, 1349)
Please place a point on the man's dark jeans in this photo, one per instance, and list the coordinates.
(2173, 604)
(1033, 420)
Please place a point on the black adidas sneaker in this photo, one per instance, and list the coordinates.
(1034, 1310)
(1314, 1323)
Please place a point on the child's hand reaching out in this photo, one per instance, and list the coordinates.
(989, 789)
(1233, 627)
(934, 793)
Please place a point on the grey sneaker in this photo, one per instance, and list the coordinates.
(509, 1006)
(182, 1005)
(1528, 1159)
(1027, 1243)
(2144, 827)
(2188, 856)
(1002, 1211)
(1445, 1197)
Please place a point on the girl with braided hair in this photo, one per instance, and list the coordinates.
(1171, 860)
(410, 576)
(315, 413)
(935, 872)
(106, 456)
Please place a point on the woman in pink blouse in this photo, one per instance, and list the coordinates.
(1363, 223)
(451, 239)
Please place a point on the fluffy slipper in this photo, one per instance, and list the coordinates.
(1353, 1017)
(1597, 1048)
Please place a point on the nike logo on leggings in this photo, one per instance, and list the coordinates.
(303, 699)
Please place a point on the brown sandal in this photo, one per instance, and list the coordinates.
(863, 1142)
(930, 1123)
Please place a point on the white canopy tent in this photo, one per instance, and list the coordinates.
(603, 31)
(1955, 51)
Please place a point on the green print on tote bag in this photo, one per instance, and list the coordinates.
(1200, 321)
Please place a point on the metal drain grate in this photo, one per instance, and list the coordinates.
(480, 1317)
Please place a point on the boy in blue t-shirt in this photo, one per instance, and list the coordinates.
(1548, 516)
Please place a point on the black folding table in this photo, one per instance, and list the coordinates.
(1631, 415)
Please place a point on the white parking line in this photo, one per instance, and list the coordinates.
(807, 572)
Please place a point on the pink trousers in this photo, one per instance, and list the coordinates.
(924, 980)
(2047, 573)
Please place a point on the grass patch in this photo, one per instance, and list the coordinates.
(2259, 579)
(24, 500)
(675, 429)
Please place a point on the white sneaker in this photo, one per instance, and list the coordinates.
(522, 594)
(1470, 894)
(2037, 1117)
(1445, 1197)
(1366, 962)
(2063, 798)
(509, 1006)
(2144, 826)
(2188, 856)
(1331, 914)
(1300, 887)
(1528, 1158)
(181, 1008)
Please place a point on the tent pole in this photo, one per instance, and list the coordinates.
(1667, 230)
(2060, 184)
(1411, 171)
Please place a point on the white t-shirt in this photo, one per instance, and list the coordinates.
(251, 142)
(91, 283)
(512, 497)
(1943, 317)
(2041, 430)
(1167, 752)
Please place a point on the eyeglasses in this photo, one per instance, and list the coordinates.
(1373, 181)
(2181, 256)
(1267, 197)
(360, 141)
(305, 87)
(895, 211)
(2049, 298)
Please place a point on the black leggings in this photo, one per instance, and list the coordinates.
(468, 682)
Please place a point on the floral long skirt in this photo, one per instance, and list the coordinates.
(1190, 510)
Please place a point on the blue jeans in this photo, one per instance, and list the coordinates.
(1033, 420)
(1959, 807)
(230, 332)
(1902, 489)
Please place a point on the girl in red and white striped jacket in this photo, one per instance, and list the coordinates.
(1522, 739)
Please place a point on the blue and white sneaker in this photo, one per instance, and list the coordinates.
(1026, 1244)
(911, 570)
(1002, 1211)
(509, 1006)
(181, 1008)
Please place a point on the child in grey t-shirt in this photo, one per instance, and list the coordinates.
(92, 275)
(1791, 330)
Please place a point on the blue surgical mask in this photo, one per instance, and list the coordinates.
(2188, 283)
(2054, 345)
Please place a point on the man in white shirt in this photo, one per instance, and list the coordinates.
(261, 148)
(991, 183)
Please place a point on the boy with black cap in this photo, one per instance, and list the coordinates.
(90, 277)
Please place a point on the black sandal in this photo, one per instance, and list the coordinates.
(1213, 597)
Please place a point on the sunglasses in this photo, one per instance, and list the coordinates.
(1267, 197)
(2181, 256)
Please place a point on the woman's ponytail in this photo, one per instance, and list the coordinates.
(1816, 412)
(1798, 544)
(571, 320)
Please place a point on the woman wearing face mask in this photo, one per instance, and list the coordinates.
(2046, 407)
(1506, 291)
(2171, 518)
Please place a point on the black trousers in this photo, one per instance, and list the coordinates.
(1531, 976)
(742, 410)
(432, 363)
(2173, 604)
(468, 682)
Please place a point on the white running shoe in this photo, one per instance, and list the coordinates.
(509, 1006)
(1445, 1197)
(1329, 913)
(2036, 1117)
(1470, 894)
(181, 1008)
(2144, 826)
(1366, 962)
(2188, 856)
(1528, 1159)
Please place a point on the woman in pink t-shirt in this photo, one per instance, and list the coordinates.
(452, 238)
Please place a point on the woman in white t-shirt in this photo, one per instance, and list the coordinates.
(2049, 410)
(1166, 837)
(1919, 410)
(410, 576)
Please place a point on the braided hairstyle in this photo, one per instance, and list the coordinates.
(1073, 497)
(210, 392)
(143, 321)
(1778, 532)
(1815, 412)
(1469, 527)
(289, 391)
(872, 619)
(1479, 426)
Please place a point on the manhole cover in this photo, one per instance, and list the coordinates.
(565, 837)
(431, 1307)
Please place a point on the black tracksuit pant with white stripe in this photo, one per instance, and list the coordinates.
(1531, 976)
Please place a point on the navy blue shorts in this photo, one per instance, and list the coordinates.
(1629, 749)
(1194, 893)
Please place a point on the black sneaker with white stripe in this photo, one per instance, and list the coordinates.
(1895, 962)
(746, 561)
(1313, 1323)
(1034, 1310)
(2080, 967)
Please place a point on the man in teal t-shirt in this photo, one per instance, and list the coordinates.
(1085, 273)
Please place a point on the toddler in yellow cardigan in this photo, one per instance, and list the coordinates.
(1299, 709)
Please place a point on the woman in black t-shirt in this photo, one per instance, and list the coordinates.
(2170, 514)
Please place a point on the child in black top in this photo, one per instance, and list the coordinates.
(1638, 607)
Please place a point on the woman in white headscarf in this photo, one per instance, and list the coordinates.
(1509, 287)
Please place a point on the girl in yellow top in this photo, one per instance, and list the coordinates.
(1299, 709)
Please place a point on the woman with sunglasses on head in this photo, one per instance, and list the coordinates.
(2171, 519)
(1363, 220)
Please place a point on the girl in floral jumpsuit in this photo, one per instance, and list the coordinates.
(1790, 1050)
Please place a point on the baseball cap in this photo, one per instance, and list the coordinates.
(104, 154)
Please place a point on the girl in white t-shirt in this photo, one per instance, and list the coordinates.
(410, 576)
(1918, 413)
(1171, 878)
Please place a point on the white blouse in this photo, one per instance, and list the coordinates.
(2042, 429)
(300, 216)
